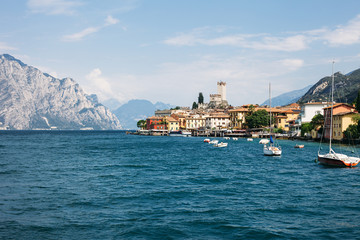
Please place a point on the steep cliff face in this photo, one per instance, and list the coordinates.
(30, 99)
(346, 88)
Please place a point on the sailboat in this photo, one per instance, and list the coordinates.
(272, 148)
(332, 158)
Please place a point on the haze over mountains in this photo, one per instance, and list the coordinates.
(31, 99)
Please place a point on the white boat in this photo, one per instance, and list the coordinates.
(271, 148)
(235, 138)
(332, 158)
(250, 139)
(221, 144)
(227, 138)
(207, 140)
(214, 142)
(264, 141)
(180, 133)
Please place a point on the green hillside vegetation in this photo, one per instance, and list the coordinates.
(346, 88)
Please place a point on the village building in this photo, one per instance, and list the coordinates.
(217, 121)
(286, 119)
(309, 110)
(341, 122)
(237, 117)
(339, 109)
(155, 123)
(171, 124)
(195, 122)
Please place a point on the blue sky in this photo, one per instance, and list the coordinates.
(169, 51)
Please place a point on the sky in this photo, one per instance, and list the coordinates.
(169, 51)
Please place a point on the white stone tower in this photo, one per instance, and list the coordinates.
(221, 88)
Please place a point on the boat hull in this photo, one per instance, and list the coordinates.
(335, 162)
(272, 152)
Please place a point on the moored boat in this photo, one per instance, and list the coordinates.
(299, 146)
(332, 158)
(221, 144)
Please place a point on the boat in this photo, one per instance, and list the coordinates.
(221, 144)
(179, 133)
(235, 138)
(249, 139)
(206, 140)
(332, 158)
(227, 138)
(214, 141)
(264, 141)
(271, 148)
(299, 146)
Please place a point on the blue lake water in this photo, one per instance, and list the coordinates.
(109, 185)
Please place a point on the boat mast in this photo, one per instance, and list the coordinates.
(270, 105)
(332, 104)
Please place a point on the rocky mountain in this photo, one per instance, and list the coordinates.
(31, 99)
(287, 98)
(346, 88)
(134, 110)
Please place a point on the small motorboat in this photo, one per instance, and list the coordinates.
(264, 141)
(227, 138)
(299, 146)
(222, 144)
(206, 140)
(250, 139)
(214, 142)
(235, 138)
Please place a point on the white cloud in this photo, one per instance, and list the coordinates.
(251, 41)
(99, 83)
(110, 21)
(6, 47)
(90, 30)
(80, 35)
(53, 7)
(345, 35)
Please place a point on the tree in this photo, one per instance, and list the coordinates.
(352, 132)
(194, 106)
(317, 120)
(141, 124)
(257, 119)
(201, 98)
(306, 128)
(357, 102)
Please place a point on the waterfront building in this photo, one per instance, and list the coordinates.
(171, 124)
(309, 110)
(155, 123)
(195, 122)
(341, 122)
(338, 108)
(237, 118)
(217, 121)
(285, 119)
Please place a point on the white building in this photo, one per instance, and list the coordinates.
(309, 110)
(217, 121)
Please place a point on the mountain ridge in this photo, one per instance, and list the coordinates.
(31, 99)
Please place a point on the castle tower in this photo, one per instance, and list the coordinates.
(221, 88)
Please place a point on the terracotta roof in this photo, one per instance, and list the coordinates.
(344, 113)
(153, 118)
(340, 104)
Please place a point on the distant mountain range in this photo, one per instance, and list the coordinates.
(134, 110)
(287, 98)
(346, 88)
(31, 99)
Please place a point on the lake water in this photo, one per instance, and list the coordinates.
(109, 185)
